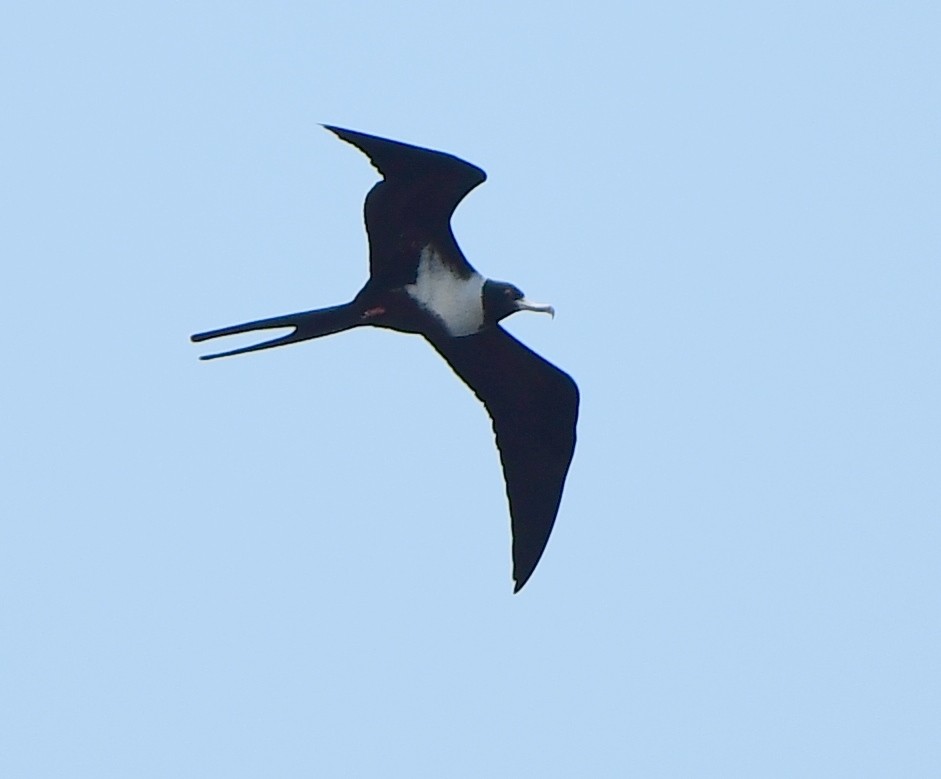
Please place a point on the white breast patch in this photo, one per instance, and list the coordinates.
(457, 302)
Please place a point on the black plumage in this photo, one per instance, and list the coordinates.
(420, 282)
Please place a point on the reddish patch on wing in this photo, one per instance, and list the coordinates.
(371, 312)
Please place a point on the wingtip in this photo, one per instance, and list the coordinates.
(342, 132)
(395, 158)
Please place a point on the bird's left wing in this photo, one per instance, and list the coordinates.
(534, 408)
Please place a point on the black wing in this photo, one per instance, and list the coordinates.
(534, 407)
(412, 206)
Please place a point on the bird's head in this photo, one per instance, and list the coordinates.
(502, 299)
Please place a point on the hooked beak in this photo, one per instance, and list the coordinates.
(524, 305)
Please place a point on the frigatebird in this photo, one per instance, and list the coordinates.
(420, 282)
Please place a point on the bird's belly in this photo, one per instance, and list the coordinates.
(456, 302)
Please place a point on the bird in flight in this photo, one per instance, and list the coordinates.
(420, 282)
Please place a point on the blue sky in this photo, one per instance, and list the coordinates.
(296, 563)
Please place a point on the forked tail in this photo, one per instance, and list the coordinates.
(306, 324)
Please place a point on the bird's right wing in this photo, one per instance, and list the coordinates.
(534, 408)
(413, 203)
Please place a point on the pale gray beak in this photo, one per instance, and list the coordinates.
(524, 305)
